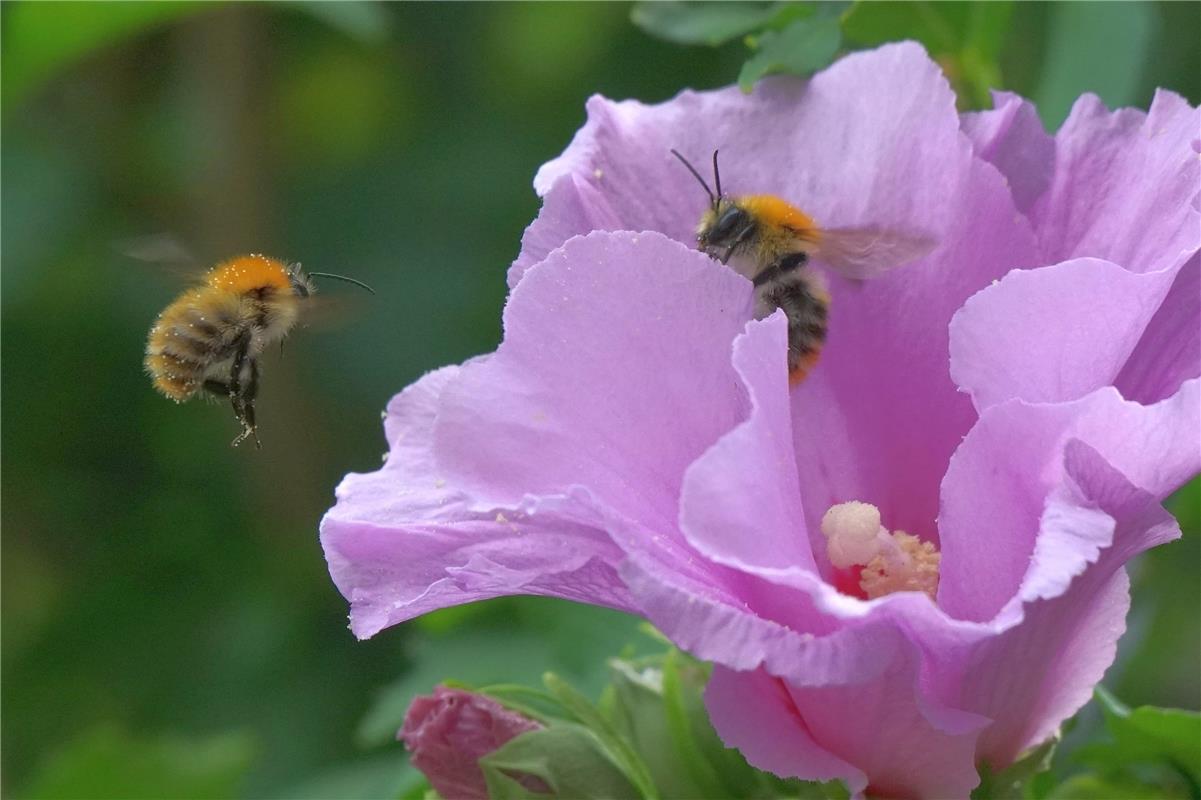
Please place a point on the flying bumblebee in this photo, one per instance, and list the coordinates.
(210, 338)
(768, 240)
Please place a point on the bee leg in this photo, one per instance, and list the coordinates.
(237, 395)
(250, 391)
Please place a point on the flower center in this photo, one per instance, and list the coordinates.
(883, 562)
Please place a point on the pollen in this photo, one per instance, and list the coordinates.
(885, 561)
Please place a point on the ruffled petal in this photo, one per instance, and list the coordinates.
(863, 143)
(996, 487)
(613, 377)
(1011, 137)
(1036, 674)
(402, 541)
(1053, 334)
(1125, 185)
(873, 140)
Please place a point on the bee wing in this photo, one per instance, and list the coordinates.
(162, 251)
(324, 312)
(861, 253)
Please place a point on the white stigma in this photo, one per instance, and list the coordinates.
(890, 562)
(853, 533)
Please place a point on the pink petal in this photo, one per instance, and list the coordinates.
(1053, 334)
(873, 731)
(754, 712)
(1169, 351)
(741, 504)
(402, 541)
(1011, 138)
(1040, 672)
(1124, 187)
(613, 377)
(995, 488)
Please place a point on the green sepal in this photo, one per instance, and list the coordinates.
(569, 758)
(618, 749)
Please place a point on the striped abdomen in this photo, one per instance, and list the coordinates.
(805, 303)
(193, 334)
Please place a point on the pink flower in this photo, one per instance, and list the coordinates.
(448, 733)
(1006, 413)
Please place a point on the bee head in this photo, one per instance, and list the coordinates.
(725, 224)
(302, 284)
(723, 227)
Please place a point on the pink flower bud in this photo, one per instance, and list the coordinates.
(449, 731)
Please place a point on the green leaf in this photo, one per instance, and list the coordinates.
(802, 47)
(41, 39)
(707, 23)
(658, 706)
(1011, 781)
(1148, 735)
(618, 749)
(965, 37)
(546, 708)
(109, 763)
(568, 757)
(640, 717)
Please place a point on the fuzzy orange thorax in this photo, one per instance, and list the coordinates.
(775, 212)
(249, 273)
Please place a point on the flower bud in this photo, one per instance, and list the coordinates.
(450, 730)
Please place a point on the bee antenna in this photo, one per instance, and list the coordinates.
(716, 174)
(697, 175)
(341, 278)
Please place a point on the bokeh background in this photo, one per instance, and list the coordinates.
(169, 627)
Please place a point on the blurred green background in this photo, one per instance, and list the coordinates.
(168, 620)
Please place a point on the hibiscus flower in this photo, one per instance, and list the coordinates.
(911, 564)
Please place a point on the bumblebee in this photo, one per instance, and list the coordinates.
(771, 242)
(210, 338)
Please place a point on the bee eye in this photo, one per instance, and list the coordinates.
(728, 224)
